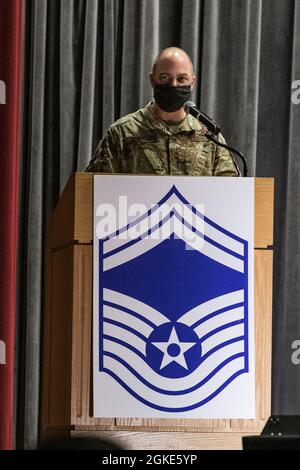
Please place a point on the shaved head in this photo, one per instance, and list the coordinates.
(172, 76)
(171, 54)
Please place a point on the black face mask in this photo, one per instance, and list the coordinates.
(171, 98)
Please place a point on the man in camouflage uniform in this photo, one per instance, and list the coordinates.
(161, 138)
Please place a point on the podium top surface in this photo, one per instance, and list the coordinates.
(72, 219)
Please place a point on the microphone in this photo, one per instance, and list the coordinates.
(213, 131)
(212, 126)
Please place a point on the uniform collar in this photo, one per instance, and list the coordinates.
(189, 124)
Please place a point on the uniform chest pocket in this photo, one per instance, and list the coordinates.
(203, 162)
(141, 156)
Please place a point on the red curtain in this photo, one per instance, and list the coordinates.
(10, 72)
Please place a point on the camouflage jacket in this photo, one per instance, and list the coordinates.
(142, 144)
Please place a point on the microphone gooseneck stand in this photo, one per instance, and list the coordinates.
(213, 138)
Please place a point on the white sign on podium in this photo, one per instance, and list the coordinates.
(173, 297)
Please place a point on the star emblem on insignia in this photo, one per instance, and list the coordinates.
(173, 350)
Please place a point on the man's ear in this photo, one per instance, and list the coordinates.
(193, 82)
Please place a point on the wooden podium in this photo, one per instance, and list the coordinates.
(66, 399)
